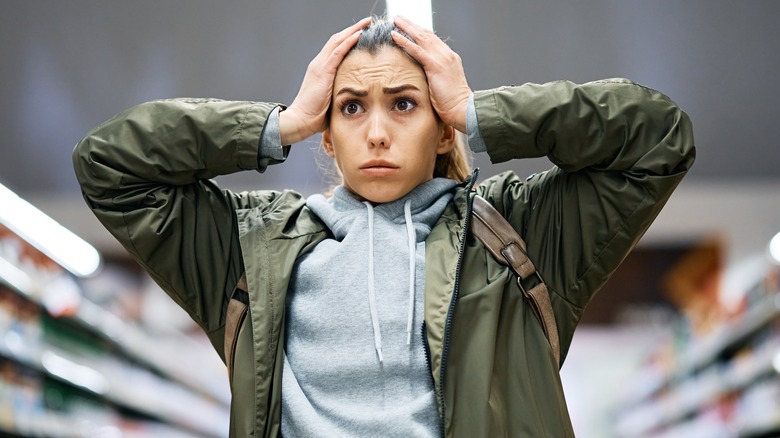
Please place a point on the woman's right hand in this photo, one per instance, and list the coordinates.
(306, 116)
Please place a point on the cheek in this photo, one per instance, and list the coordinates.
(337, 138)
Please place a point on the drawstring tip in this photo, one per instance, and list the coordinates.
(408, 337)
(379, 353)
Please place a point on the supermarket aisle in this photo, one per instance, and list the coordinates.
(78, 358)
(600, 365)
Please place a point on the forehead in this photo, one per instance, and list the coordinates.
(390, 66)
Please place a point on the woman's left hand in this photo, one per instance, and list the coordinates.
(447, 83)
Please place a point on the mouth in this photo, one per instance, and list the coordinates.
(378, 164)
(378, 168)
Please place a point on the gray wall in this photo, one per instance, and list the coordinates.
(66, 66)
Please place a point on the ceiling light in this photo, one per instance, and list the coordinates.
(418, 11)
(46, 235)
(774, 248)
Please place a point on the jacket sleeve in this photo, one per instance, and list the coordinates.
(619, 151)
(146, 176)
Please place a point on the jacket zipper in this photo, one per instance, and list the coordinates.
(427, 350)
(451, 310)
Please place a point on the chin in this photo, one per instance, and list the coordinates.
(381, 196)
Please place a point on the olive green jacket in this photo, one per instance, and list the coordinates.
(619, 150)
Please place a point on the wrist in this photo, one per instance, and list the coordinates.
(458, 116)
(288, 130)
(452, 108)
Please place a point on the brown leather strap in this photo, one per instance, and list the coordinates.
(236, 312)
(508, 248)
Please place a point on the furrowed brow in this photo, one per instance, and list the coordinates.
(352, 91)
(399, 89)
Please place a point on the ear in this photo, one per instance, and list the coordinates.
(447, 140)
(327, 143)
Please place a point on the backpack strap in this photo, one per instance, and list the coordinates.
(508, 248)
(236, 312)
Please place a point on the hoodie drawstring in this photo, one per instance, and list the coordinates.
(371, 291)
(412, 252)
(412, 271)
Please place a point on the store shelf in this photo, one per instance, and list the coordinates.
(725, 337)
(766, 427)
(706, 351)
(149, 351)
(119, 383)
(105, 359)
(24, 412)
(728, 381)
(698, 393)
(758, 413)
(128, 338)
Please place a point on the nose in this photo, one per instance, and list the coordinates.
(377, 131)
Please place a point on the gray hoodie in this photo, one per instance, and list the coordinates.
(355, 362)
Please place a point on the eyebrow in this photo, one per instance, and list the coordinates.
(386, 90)
(399, 89)
(348, 90)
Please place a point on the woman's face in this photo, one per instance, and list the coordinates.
(384, 134)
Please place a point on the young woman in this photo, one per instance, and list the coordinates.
(374, 312)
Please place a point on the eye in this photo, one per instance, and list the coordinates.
(351, 108)
(405, 104)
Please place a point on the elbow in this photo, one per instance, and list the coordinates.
(95, 177)
(680, 141)
(78, 156)
(668, 132)
(82, 170)
(81, 160)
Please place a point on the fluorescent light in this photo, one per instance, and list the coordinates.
(418, 11)
(48, 236)
(15, 276)
(774, 248)
(80, 375)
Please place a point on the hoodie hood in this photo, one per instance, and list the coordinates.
(426, 204)
(345, 214)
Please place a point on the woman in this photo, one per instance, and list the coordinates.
(373, 312)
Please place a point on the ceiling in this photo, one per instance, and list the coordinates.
(68, 66)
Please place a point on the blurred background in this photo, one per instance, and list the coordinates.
(683, 341)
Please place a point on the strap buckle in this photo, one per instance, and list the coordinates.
(535, 280)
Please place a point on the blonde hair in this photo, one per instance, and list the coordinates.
(454, 164)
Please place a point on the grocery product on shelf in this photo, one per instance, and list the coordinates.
(722, 381)
(71, 368)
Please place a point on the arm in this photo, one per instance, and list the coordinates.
(619, 148)
(145, 175)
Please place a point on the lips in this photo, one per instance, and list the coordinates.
(378, 169)
(378, 164)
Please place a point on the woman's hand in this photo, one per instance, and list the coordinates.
(306, 116)
(447, 83)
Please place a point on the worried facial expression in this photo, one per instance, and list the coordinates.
(384, 134)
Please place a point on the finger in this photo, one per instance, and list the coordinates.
(338, 54)
(414, 50)
(418, 33)
(339, 37)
